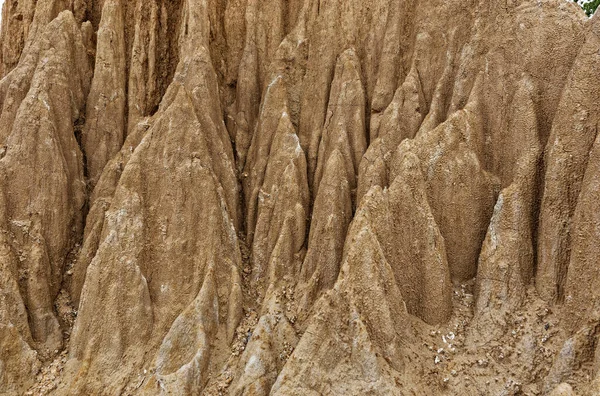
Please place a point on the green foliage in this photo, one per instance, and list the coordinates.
(589, 7)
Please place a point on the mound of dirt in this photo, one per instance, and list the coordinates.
(299, 197)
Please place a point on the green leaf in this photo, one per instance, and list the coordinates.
(591, 7)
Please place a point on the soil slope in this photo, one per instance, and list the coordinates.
(299, 197)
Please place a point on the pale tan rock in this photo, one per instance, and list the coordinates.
(414, 245)
(563, 390)
(400, 120)
(100, 200)
(581, 291)
(298, 197)
(266, 25)
(506, 263)
(576, 350)
(344, 127)
(183, 358)
(391, 54)
(153, 295)
(283, 198)
(235, 34)
(333, 30)
(438, 106)
(332, 214)
(203, 297)
(460, 192)
(272, 341)
(42, 213)
(343, 143)
(102, 195)
(17, 18)
(154, 56)
(273, 107)
(573, 133)
(274, 337)
(357, 329)
(104, 131)
(373, 170)
(277, 252)
(20, 361)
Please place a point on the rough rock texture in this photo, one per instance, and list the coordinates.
(43, 101)
(567, 155)
(304, 197)
(104, 130)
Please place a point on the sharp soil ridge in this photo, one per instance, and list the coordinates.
(299, 197)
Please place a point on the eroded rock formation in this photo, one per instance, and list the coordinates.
(251, 197)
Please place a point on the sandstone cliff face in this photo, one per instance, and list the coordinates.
(250, 197)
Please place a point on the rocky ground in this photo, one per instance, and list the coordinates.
(299, 197)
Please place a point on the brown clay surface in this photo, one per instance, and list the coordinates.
(299, 197)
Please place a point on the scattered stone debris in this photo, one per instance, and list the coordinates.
(244, 333)
(49, 376)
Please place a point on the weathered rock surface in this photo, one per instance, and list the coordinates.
(42, 212)
(251, 197)
(567, 155)
(506, 262)
(104, 130)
